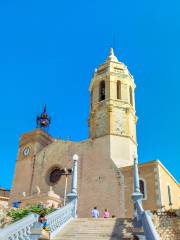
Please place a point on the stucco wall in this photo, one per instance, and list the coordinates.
(167, 179)
(146, 172)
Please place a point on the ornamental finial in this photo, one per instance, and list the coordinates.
(111, 56)
(43, 120)
(111, 52)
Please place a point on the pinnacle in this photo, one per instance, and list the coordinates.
(111, 52)
(111, 56)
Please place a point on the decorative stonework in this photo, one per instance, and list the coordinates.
(119, 122)
(49, 199)
(100, 123)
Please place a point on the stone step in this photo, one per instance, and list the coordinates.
(97, 229)
(94, 238)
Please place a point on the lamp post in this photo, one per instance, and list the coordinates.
(74, 174)
(137, 195)
(66, 172)
(136, 177)
(73, 195)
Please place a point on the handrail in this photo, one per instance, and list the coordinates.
(142, 217)
(23, 229)
(19, 230)
(147, 224)
(59, 218)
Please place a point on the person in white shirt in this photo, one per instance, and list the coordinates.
(95, 213)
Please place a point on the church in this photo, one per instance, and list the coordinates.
(105, 159)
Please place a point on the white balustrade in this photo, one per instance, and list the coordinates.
(58, 219)
(19, 230)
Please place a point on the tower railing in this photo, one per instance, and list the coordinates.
(142, 218)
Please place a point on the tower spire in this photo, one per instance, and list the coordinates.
(111, 56)
(43, 120)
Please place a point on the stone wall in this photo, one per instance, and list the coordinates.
(167, 226)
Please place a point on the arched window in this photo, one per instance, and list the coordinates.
(131, 95)
(102, 90)
(142, 186)
(169, 195)
(118, 90)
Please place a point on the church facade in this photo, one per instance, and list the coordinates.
(105, 174)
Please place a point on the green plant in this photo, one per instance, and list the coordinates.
(19, 213)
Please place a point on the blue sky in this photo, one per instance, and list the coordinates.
(49, 50)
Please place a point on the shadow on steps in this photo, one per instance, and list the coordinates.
(123, 229)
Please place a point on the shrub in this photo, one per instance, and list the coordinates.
(18, 213)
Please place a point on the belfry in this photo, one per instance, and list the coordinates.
(112, 112)
(105, 173)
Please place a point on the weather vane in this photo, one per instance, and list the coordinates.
(43, 120)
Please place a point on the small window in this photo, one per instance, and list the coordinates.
(142, 188)
(102, 90)
(118, 90)
(131, 95)
(169, 195)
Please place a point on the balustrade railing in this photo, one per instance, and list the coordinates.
(58, 219)
(19, 230)
(28, 228)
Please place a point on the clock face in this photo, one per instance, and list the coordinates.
(26, 151)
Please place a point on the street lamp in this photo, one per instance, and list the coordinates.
(74, 174)
(66, 172)
(75, 157)
(135, 156)
(136, 173)
(72, 196)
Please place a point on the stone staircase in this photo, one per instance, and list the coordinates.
(97, 229)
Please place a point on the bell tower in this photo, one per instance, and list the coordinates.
(112, 110)
(30, 145)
